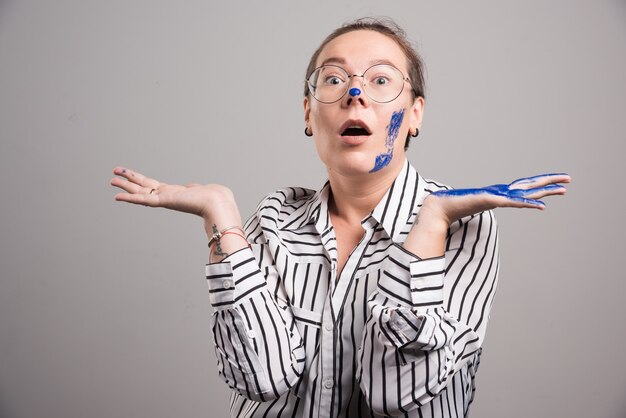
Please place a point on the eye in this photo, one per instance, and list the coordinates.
(333, 80)
(381, 80)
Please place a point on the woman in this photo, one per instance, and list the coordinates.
(342, 302)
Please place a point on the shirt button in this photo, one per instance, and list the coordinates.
(227, 284)
(328, 383)
(328, 327)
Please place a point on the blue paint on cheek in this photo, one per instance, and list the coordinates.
(394, 127)
(382, 160)
(354, 92)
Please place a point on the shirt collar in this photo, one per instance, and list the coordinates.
(394, 212)
(401, 203)
(314, 210)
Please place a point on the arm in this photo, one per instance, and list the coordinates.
(259, 351)
(428, 317)
(428, 320)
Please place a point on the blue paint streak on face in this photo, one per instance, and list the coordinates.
(382, 160)
(354, 92)
(394, 127)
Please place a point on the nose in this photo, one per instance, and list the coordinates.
(356, 94)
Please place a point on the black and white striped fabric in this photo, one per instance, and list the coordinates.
(391, 335)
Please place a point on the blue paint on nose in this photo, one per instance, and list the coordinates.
(354, 91)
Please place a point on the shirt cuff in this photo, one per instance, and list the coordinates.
(427, 281)
(233, 279)
(407, 329)
(412, 281)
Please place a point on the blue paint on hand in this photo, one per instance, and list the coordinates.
(526, 180)
(505, 190)
(382, 160)
(354, 91)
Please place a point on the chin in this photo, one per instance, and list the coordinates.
(352, 163)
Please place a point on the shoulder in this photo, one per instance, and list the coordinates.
(284, 201)
(431, 186)
(480, 227)
(278, 206)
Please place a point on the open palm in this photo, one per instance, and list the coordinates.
(202, 200)
(522, 193)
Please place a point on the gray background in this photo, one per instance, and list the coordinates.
(103, 305)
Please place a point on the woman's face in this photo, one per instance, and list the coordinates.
(378, 147)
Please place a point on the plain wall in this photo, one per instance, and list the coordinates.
(104, 308)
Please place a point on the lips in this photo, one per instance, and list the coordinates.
(354, 127)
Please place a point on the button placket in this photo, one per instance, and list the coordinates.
(326, 355)
(350, 268)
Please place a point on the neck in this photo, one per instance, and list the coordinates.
(354, 197)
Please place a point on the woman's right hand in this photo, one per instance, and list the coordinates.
(212, 202)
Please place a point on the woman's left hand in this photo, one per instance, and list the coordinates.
(440, 209)
(455, 204)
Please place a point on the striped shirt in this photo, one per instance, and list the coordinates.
(391, 335)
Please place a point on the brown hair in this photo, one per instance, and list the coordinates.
(387, 27)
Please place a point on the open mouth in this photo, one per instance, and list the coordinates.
(355, 132)
(355, 128)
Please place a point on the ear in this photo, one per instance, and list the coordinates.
(307, 111)
(417, 113)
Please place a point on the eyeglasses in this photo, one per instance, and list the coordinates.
(381, 82)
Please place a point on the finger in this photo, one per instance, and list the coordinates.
(127, 186)
(151, 200)
(540, 180)
(523, 202)
(136, 177)
(539, 192)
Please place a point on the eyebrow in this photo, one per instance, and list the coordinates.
(333, 60)
(338, 60)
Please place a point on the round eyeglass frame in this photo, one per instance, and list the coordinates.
(312, 88)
